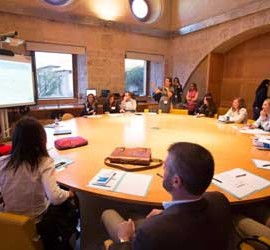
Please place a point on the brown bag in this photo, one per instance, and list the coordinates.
(132, 159)
(70, 142)
(139, 156)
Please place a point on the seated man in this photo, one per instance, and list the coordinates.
(193, 220)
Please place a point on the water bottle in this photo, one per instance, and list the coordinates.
(56, 121)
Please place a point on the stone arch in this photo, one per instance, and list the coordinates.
(188, 51)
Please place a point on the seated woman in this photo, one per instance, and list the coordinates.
(128, 104)
(208, 108)
(263, 121)
(27, 177)
(111, 105)
(238, 112)
(90, 107)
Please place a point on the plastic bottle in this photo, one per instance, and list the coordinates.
(56, 121)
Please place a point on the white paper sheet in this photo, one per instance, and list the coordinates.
(117, 176)
(123, 182)
(261, 164)
(240, 182)
(254, 131)
(134, 184)
(60, 163)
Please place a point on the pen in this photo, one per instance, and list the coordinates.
(217, 180)
(59, 164)
(101, 185)
(240, 175)
(111, 177)
(158, 174)
(266, 165)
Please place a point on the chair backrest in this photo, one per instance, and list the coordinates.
(250, 121)
(67, 116)
(222, 110)
(255, 243)
(18, 232)
(179, 111)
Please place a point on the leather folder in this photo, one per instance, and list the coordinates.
(139, 156)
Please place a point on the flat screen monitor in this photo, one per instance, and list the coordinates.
(91, 91)
(16, 81)
(105, 92)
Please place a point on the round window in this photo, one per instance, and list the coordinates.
(140, 9)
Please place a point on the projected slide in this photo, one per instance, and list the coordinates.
(16, 81)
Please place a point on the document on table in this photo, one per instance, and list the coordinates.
(262, 164)
(61, 163)
(122, 182)
(240, 182)
(92, 116)
(255, 131)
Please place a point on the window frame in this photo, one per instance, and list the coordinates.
(57, 101)
(145, 76)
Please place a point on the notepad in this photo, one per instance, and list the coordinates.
(255, 131)
(92, 116)
(60, 163)
(239, 182)
(122, 182)
(262, 164)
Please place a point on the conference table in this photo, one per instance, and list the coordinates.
(230, 149)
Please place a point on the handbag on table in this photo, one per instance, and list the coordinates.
(132, 159)
(70, 142)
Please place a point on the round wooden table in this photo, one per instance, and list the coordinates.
(230, 148)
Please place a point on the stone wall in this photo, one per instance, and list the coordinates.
(105, 47)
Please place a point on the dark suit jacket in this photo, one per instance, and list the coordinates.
(200, 225)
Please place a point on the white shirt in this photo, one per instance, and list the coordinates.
(238, 116)
(129, 105)
(30, 193)
(265, 125)
(167, 204)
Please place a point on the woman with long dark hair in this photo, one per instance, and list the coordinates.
(111, 105)
(208, 108)
(90, 107)
(177, 92)
(260, 96)
(27, 176)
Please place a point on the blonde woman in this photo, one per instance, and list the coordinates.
(263, 121)
(238, 112)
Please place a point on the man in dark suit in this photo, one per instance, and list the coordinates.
(192, 220)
